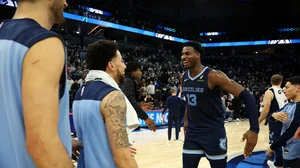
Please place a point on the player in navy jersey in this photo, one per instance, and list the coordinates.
(204, 122)
(34, 99)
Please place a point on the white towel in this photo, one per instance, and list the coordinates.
(132, 121)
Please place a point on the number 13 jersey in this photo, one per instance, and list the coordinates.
(204, 106)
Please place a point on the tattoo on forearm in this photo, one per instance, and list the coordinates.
(116, 106)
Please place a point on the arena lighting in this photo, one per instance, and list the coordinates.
(124, 28)
(167, 37)
(252, 43)
(97, 11)
(176, 39)
(166, 28)
(289, 29)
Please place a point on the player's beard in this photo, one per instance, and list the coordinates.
(57, 11)
(120, 77)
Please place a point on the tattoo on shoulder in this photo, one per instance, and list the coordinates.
(116, 106)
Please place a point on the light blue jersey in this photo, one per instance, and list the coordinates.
(16, 37)
(90, 127)
(292, 149)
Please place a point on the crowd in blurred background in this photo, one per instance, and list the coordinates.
(162, 70)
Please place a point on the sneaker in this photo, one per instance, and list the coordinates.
(271, 164)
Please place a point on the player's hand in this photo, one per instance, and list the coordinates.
(150, 124)
(184, 127)
(133, 151)
(281, 116)
(76, 144)
(270, 151)
(145, 105)
(251, 141)
(297, 134)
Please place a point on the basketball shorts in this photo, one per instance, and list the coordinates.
(274, 131)
(211, 143)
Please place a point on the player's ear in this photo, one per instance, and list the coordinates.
(298, 88)
(199, 55)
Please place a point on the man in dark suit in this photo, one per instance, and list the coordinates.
(132, 75)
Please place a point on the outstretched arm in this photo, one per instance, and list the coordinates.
(128, 89)
(113, 109)
(218, 78)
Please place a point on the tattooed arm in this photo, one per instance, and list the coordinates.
(113, 110)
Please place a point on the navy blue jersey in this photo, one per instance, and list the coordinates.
(173, 104)
(204, 106)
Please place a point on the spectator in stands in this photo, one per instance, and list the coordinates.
(132, 75)
(143, 91)
(149, 99)
(151, 89)
(74, 88)
(81, 80)
(223, 98)
(236, 105)
(70, 83)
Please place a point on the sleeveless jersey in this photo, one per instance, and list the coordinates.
(90, 127)
(204, 106)
(278, 101)
(16, 38)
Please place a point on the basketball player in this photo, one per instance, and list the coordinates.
(274, 100)
(173, 104)
(34, 112)
(100, 109)
(289, 115)
(204, 121)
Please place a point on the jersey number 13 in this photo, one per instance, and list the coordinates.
(192, 99)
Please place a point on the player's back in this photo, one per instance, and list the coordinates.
(205, 112)
(90, 126)
(16, 38)
(174, 105)
(279, 99)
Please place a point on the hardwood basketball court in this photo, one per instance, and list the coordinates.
(154, 150)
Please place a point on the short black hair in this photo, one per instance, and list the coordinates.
(295, 80)
(196, 45)
(132, 66)
(99, 53)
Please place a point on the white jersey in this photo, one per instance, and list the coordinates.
(279, 95)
